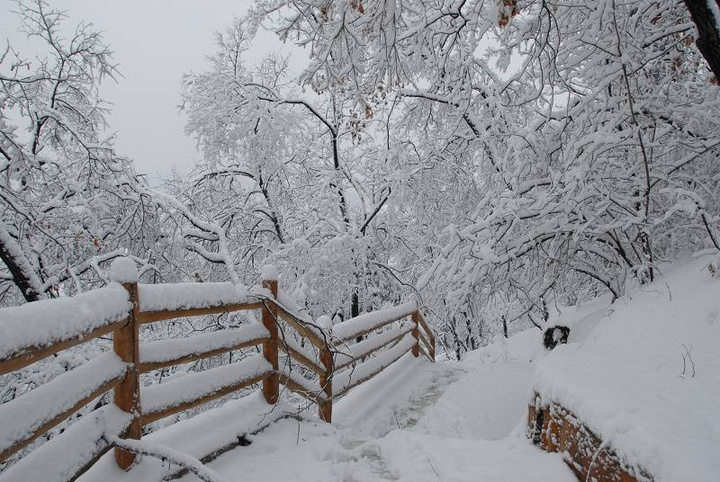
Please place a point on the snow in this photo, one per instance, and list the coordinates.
(123, 270)
(20, 417)
(420, 457)
(269, 273)
(167, 454)
(291, 343)
(43, 323)
(60, 458)
(15, 252)
(348, 354)
(386, 429)
(311, 387)
(193, 386)
(178, 296)
(361, 371)
(367, 321)
(500, 372)
(289, 305)
(643, 374)
(197, 436)
(325, 322)
(172, 349)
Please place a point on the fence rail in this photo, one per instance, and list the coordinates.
(341, 357)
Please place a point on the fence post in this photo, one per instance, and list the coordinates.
(126, 344)
(326, 358)
(432, 346)
(416, 333)
(271, 383)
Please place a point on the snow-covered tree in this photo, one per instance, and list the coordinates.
(557, 150)
(68, 203)
(287, 176)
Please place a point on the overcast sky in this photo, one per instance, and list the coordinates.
(155, 42)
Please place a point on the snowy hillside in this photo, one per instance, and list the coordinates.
(644, 374)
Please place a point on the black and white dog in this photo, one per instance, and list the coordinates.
(556, 335)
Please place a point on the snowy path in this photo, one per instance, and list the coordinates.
(414, 422)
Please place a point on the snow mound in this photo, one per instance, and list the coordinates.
(123, 270)
(644, 374)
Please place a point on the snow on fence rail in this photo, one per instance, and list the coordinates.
(165, 353)
(368, 346)
(364, 371)
(40, 329)
(193, 389)
(33, 331)
(367, 322)
(53, 402)
(175, 300)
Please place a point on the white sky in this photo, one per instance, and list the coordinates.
(155, 42)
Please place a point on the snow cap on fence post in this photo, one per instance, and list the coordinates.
(123, 270)
(325, 322)
(416, 299)
(269, 273)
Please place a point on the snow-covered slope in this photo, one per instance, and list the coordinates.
(644, 374)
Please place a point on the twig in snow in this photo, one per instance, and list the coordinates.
(595, 456)
(433, 467)
(166, 454)
(687, 357)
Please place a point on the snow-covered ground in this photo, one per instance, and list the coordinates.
(416, 421)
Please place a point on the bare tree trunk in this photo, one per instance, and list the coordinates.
(355, 306)
(20, 268)
(273, 214)
(708, 41)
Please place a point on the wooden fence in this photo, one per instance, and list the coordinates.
(342, 357)
(554, 428)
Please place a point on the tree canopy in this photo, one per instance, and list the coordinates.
(493, 158)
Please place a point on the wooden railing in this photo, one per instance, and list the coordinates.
(321, 363)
